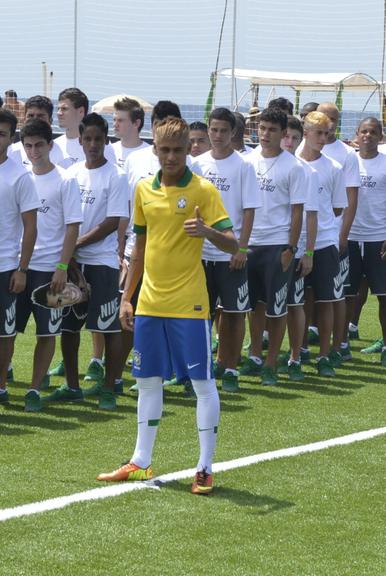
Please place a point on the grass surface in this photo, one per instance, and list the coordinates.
(314, 514)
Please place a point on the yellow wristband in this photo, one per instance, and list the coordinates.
(243, 250)
(61, 266)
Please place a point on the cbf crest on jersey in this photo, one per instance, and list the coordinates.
(182, 202)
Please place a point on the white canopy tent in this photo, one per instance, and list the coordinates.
(315, 82)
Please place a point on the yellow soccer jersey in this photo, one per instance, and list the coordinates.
(174, 283)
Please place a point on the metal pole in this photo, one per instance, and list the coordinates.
(75, 41)
(234, 53)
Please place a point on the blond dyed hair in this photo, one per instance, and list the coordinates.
(171, 127)
(316, 120)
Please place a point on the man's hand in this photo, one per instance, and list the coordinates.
(18, 282)
(195, 227)
(238, 261)
(305, 265)
(383, 251)
(286, 259)
(58, 281)
(126, 315)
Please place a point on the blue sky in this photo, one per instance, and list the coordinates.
(167, 48)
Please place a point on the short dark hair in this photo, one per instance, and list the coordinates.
(94, 119)
(7, 117)
(275, 116)
(11, 93)
(76, 96)
(240, 126)
(163, 109)
(294, 124)
(282, 103)
(36, 127)
(374, 121)
(198, 126)
(133, 107)
(41, 102)
(309, 107)
(223, 114)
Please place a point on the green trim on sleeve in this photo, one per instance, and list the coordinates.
(139, 229)
(225, 224)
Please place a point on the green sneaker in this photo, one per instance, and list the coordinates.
(58, 370)
(94, 372)
(4, 397)
(107, 400)
(218, 370)
(383, 358)
(346, 353)
(375, 347)
(172, 382)
(10, 374)
(45, 383)
(353, 333)
(230, 382)
(305, 356)
(250, 368)
(282, 363)
(64, 394)
(268, 376)
(32, 402)
(313, 337)
(118, 387)
(335, 358)
(325, 368)
(94, 390)
(295, 373)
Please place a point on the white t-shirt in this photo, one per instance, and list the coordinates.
(282, 182)
(17, 153)
(235, 179)
(140, 164)
(332, 194)
(59, 205)
(17, 195)
(370, 220)
(73, 151)
(346, 156)
(122, 152)
(311, 204)
(104, 194)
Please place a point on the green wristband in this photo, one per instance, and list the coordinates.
(62, 266)
(309, 253)
(243, 250)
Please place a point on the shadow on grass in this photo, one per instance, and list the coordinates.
(21, 420)
(176, 399)
(260, 503)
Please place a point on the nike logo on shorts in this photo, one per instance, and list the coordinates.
(54, 321)
(190, 366)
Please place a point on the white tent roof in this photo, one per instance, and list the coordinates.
(300, 81)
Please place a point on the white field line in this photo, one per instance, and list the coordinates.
(121, 488)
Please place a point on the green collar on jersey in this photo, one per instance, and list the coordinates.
(182, 182)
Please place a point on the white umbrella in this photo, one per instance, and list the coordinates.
(106, 105)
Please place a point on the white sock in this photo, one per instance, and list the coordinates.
(265, 335)
(232, 371)
(256, 359)
(3, 390)
(33, 390)
(314, 329)
(353, 326)
(207, 416)
(149, 412)
(344, 345)
(97, 360)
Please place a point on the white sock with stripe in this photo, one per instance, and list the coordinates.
(208, 415)
(149, 412)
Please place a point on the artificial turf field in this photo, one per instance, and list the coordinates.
(317, 514)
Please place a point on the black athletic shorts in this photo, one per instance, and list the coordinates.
(7, 306)
(365, 259)
(226, 287)
(325, 277)
(296, 287)
(48, 320)
(102, 312)
(267, 281)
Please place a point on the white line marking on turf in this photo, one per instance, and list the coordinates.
(118, 489)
